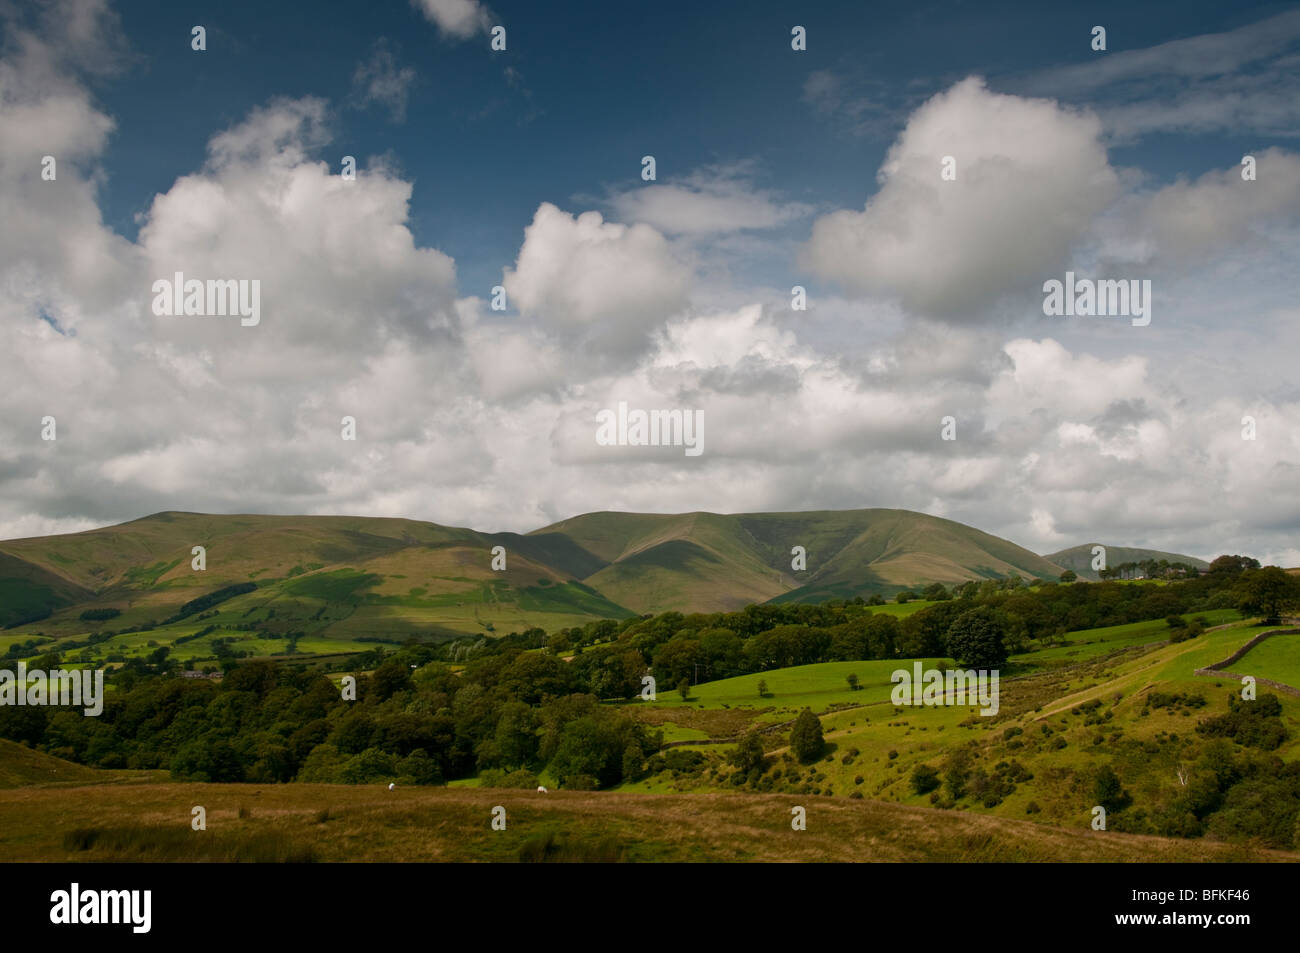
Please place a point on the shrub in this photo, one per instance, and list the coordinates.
(521, 779)
(1255, 723)
(748, 755)
(1107, 790)
(806, 740)
(924, 779)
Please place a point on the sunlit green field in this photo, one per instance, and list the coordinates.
(904, 609)
(1277, 658)
(8, 638)
(873, 749)
(675, 732)
(824, 684)
(818, 686)
(1089, 643)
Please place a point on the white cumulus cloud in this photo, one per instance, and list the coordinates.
(1030, 178)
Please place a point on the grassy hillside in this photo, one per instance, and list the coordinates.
(1123, 697)
(322, 585)
(699, 562)
(710, 562)
(1079, 558)
(29, 591)
(304, 822)
(821, 687)
(1059, 721)
(1277, 658)
(21, 766)
(893, 549)
(324, 581)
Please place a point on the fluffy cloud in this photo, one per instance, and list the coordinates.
(198, 412)
(340, 271)
(1188, 219)
(1031, 177)
(603, 283)
(459, 19)
(473, 417)
(1044, 375)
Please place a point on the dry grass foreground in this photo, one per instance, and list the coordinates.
(301, 822)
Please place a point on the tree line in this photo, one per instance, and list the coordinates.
(509, 708)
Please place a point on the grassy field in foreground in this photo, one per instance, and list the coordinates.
(151, 822)
(860, 802)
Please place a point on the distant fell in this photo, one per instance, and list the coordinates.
(1080, 558)
(329, 580)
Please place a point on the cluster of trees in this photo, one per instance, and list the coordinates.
(509, 712)
(1232, 565)
(210, 599)
(997, 617)
(1246, 794)
(100, 615)
(1164, 569)
(807, 744)
(1149, 569)
(25, 648)
(1215, 788)
(979, 624)
(513, 706)
(1268, 592)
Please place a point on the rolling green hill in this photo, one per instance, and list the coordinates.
(1129, 701)
(320, 578)
(1079, 558)
(321, 585)
(29, 591)
(1123, 696)
(710, 562)
(21, 766)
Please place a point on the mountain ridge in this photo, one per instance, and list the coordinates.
(349, 577)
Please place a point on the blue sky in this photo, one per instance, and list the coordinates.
(775, 168)
(690, 83)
